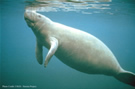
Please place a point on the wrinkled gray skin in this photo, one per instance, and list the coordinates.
(75, 48)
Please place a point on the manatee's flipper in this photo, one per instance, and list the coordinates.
(126, 77)
(53, 47)
(39, 53)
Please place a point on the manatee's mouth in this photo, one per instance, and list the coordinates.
(29, 22)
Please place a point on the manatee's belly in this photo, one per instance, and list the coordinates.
(89, 58)
(78, 64)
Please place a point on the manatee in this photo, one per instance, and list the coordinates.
(75, 48)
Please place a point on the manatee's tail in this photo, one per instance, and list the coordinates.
(126, 77)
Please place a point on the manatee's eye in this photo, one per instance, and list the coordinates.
(39, 16)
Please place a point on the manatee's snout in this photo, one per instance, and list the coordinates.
(30, 17)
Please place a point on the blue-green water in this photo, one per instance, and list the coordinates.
(19, 69)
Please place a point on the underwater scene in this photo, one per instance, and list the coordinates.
(111, 21)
